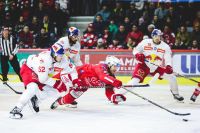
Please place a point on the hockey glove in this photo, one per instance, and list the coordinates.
(60, 86)
(168, 69)
(140, 57)
(199, 84)
(79, 85)
(116, 98)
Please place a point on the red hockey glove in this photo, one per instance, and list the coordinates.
(117, 83)
(77, 83)
(168, 69)
(116, 98)
(199, 84)
(60, 86)
(140, 57)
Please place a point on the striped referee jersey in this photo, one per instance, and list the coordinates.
(8, 46)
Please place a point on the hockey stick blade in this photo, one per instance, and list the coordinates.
(5, 83)
(144, 85)
(175, 113)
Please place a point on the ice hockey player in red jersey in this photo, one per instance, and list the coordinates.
(195, 93)
(90, 75)
(35, 76)
(154, 56)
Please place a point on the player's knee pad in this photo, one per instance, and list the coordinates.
(32, 89)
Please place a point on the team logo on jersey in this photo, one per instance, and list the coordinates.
(148, 48)
(153, 57)
(140, 73)
(161, 50)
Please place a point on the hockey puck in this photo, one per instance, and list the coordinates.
(185, 120)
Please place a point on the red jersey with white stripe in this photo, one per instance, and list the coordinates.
(71, 51)
(95, 75)
(159, 54)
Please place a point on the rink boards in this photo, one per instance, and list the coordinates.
(125, 79)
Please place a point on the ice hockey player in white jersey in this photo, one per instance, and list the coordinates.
(35, 76)
(71, 45)
(155, 51)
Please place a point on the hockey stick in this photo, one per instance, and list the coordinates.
(5, 83)
(177, 74)
(142, 85)
(175, 113)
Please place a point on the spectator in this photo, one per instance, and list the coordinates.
(98, 25)
(133, 13)
(89, 39)
(174, 18)
(179, 44)
(139, 4)
(158, 24)
(7, 20)
(26, 38)
(135, 33)
(168, 21)
(34, 26)
(150, 28)
(58, 20)
(115, 45)
(121, 36)
(131, 43)
(127, 24)
(15, 12)
(107, 36)
(195, 35)
(197, 19)
(183, 35)
(113, 28)
(161, 11)
(20, 25)
(142, 25)
(47, 24)
(195, 45)
(27, 11)
(104, 12)
(40, 11)
(101, 44)
(168, 36)
(118, 13)
(42, 39)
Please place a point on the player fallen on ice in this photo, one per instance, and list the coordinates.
(195, 93)
(154, 56)
(35, 76)
(99, 75)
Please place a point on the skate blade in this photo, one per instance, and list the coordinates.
(16, 116)
(71, 106)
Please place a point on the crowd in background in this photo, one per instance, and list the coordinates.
(117, 25)
(35, 23)
(121, 26)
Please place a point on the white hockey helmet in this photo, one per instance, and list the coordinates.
(113, 61)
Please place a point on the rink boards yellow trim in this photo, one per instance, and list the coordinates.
(125, 79)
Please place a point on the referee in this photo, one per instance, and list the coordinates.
(9, 49)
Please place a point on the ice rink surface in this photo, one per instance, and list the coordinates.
(96, 115)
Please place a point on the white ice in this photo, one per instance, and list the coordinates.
(96, 115)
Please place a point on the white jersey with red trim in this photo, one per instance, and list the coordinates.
(159, 54)
(65, 70)
(42, 65)
(71, 51)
